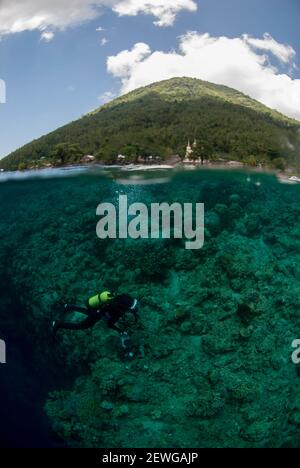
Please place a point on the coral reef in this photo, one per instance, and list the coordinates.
(212, 349)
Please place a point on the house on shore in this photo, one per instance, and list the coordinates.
(88, 158)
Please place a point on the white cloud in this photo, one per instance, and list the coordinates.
(125, 63)
(285, 53)
(47, 36)
(164, 10)
(242, 63)
(106, 97)
(100, 29)
(28, 15)
(104, 41)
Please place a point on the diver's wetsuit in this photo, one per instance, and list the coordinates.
(110, 312)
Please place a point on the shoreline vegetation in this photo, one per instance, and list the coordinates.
(147, 162)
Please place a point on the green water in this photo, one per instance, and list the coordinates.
(212, 364)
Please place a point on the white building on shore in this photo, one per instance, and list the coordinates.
(190, 149)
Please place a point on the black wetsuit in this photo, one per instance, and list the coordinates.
(111, 312)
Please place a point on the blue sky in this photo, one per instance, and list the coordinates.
(51, 83)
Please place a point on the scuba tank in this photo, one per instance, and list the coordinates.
(97, 301)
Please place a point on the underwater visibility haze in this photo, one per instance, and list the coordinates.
(212, 348)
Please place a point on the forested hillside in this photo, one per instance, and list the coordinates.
(159, 119)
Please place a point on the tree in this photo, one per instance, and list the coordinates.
(64, 153)
(22, 166)
(251, 160)
(202, 151)
(279, 163)
(132, 151)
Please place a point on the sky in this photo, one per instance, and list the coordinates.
(60, 59)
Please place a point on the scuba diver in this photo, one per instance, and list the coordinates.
(104, 306)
